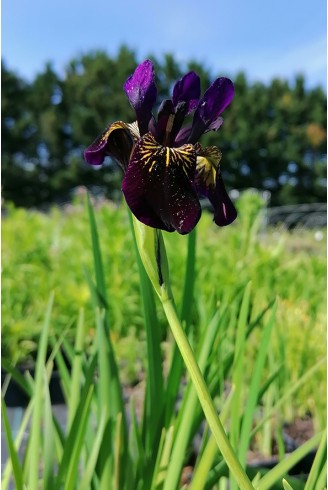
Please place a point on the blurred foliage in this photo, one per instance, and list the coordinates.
(274, 136)
(43, 252)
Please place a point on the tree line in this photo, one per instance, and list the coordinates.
(273, 137)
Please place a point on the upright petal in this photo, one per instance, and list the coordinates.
(157, 186)
(170, 120)
(216, 124)
(141, 91)
(165, 118)
(187, 90)
(116, 141)
(216, 98)
(182, 136)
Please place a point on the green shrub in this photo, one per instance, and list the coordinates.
(44, 252)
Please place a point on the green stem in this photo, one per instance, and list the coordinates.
(204, 395)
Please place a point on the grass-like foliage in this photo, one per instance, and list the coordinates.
(249, 304)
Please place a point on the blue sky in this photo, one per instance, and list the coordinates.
(264, 38)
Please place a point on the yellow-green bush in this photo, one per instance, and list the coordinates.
(44, 252)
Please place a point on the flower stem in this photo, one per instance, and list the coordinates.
(204, 395)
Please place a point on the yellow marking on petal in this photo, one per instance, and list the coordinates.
(113, 127)
(207, 163)
(206, 170)
(170, 122)
(134, 130)
(167, 156)
(151, 153)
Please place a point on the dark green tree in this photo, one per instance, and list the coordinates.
(274, 136)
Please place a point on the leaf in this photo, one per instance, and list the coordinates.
(154, 395)
(286, 485)
(98, 267)
(253, 391)
(282, 468)
(88, 474)
(48, 440)
(17, 469)
(318, 463)
(35, 434)
(72, 443)
(76, 370)
(19, 378)
(238, 374)
(6, 474)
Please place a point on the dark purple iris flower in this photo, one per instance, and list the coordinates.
(165, 168)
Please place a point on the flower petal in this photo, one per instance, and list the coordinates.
(182, 136)
(187, 90)
(224, 211)
(209, 183)
(208, 160)
(216, 124)
(116, 141)
(141, 91)
(216, 98)
(158, 186)
(166, 114)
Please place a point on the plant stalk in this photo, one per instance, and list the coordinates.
(204, 395)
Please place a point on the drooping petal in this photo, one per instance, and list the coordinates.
(141, 91)
(224, 210)
(216, 98)
(116, 141)
(208, 160)
(209, 183)
(187, 90)
(158, 186)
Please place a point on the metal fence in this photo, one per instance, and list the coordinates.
(298, 215)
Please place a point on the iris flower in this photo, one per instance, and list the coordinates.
(165, 167)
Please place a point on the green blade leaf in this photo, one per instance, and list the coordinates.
(282, 468)
(20, 379)
(35, 437)
(18, 441)
(76, 370)
(154, 398)
(238, 373)
(288, 393)
(48, 440)
(286, 485)
(253, 391)
(318, 463)
(77, 443)
(98, 266)
(71, 443)
(17, 469)
(88, 474)
(189, 280)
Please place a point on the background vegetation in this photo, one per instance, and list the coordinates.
(265, 286)
(54, 254)
(274, 135)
